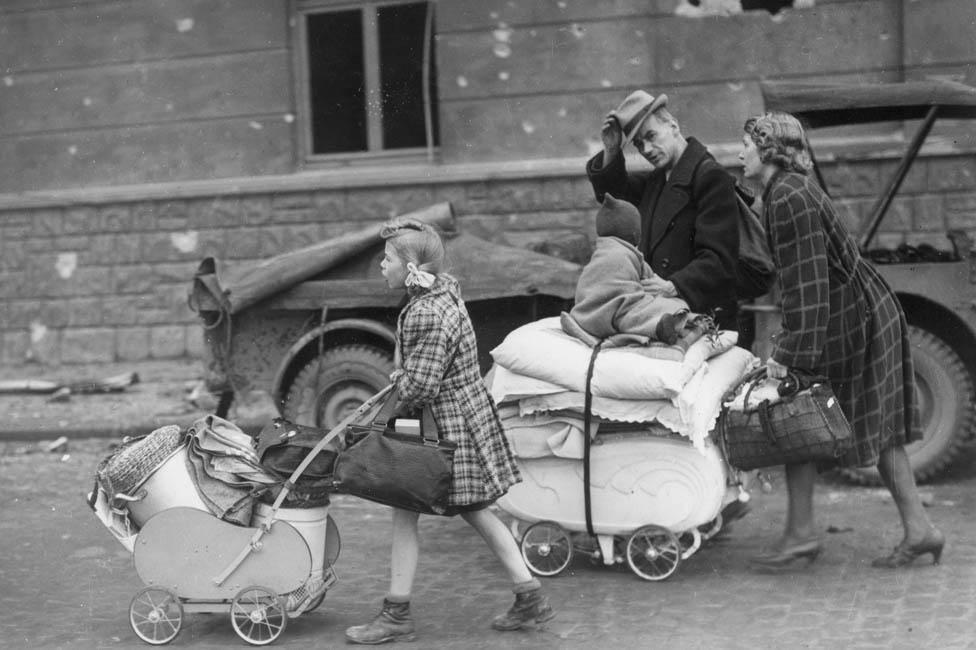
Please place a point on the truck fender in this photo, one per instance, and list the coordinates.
(303, 347)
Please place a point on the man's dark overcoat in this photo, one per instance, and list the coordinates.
(689, 224)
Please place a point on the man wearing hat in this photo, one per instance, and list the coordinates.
(687, 203)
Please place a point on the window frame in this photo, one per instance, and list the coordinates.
(371, 56)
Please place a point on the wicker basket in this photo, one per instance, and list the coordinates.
(127, 469)
(807, 425)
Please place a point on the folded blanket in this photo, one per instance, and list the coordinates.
(542, 350)
(692, 413)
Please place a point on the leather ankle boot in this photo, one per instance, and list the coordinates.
(393, 623)
(529, 606)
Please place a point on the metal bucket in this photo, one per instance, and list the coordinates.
(314, 526)
(168, 486)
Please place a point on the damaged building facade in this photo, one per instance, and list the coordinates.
(139, 137)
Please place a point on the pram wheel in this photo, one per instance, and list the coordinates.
(653, 552)
(258, 615)
(546, 548)
(156, 615)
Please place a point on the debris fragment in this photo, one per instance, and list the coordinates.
(59, 445)
(62, 394)
(113, 384)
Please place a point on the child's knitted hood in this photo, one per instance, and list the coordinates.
(617, 218)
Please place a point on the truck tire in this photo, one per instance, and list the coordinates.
(945, 400)
(333, 385)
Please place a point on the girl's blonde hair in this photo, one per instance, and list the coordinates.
(415, 242)
(781, 141)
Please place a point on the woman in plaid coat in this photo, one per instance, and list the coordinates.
(841, 320)
(437, 364)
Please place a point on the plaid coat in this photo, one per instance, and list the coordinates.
(439, 362)
(840, 318)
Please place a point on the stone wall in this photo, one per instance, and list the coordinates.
(95, 280)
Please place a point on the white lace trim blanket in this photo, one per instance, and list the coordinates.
(535, 427)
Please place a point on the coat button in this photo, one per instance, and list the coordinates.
(665, 263)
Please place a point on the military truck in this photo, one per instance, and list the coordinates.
(316, 327)
(935, 282)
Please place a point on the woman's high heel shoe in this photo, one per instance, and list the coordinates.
(904, 554)
(776, 559)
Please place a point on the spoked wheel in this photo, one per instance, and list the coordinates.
(653, 553)
(156, 615)
(258, 615)
(547, 548)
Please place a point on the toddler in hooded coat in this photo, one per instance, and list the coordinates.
(610, 299)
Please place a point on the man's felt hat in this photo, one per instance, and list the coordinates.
(617, 218)
(634, 110)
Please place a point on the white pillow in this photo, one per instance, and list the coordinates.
(542, 350)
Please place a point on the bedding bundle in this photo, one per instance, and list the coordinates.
(539, 383)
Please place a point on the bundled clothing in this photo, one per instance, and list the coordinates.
(840, 318)
(610, 299)
(689, 224)
(439, 365)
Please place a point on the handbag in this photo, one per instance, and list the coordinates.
(755, 270)
(396, 468)
(806, 425)
(282, 445)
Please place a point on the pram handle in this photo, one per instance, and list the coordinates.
(255, 542)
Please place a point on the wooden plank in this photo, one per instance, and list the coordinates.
(555, 125)
(837, 37)
(173, 152)
(14, 6)
(552, 58)
(940, 31)
(249, 83)
(138, 31)
(525, 127)
(467, 15)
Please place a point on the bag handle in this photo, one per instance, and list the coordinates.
(793, 383)
(428, 428)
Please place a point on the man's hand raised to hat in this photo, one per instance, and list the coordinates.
(612, 136)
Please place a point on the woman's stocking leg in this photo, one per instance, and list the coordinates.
(897, 475)
(800, 479)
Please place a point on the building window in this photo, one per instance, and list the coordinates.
(370, 86)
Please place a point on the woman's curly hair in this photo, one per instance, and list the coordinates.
(781, 141)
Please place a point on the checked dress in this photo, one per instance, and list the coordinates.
(439, 365)
(840, 318)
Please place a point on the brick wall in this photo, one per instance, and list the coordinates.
(108, 281)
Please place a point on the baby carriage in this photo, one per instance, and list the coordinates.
(276, 568)
(649, 486)
(652, 499)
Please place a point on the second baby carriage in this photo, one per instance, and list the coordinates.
(650, 486)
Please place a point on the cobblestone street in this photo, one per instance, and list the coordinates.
(67, 582)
